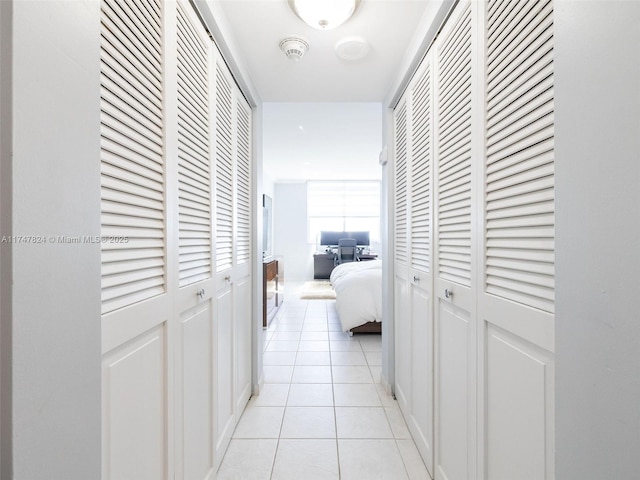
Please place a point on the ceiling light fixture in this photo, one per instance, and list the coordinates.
(324, 14)
(294, 47)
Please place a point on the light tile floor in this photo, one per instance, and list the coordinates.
(322, 413)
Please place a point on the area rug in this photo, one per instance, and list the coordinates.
(317, 290)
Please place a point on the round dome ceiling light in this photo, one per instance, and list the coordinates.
(352, 48)
(294, 47)
(324, 14)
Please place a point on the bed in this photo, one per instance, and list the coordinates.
(358, 287)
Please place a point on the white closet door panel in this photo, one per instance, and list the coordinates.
(194, 152)
(517, 303)
(400, 184)
(224, 172)
(224, 418)
(519, 173)
(195, 371)
(454, 424)
(402, 338)
(455, 329)
(421, 162)
(420, 419)
(242, 348)
(453, 151)
(417, 329)
(527, 323)
(132, 151)
(232, 285)
(193, 336)
(134, 389)
(243, 183)
(402, 311)
(519, 395)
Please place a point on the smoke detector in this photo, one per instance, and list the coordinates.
(294, 47)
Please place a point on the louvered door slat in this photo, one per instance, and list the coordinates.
(139, 264)
(502, 107)
(224, 173)
(111, 80)
(537, 155)
(400, 180)
(122, 130)
(146, 15)
(194, 175)
(453, 85)
(125, 62)
(126, 208)
(536, 53)
(243, 183)
(520, 173)
(193, 191)
(117, 108)
(123, 175)
(134, 195)
(136, 57)
(537, 117)
(132, 172)
(524, 31)
(132, 221)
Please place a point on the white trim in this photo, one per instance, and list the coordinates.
(222, 33)
(430, 25)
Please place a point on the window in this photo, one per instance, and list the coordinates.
(343, 206)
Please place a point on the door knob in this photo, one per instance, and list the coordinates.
(200, 293)
(416, 279)
(448, 293)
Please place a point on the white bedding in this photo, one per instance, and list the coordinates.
(358, 287)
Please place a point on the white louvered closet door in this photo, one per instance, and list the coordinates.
(420, 416)
(225, 419)
(233, 214)
(402, 321)
(135, 303)
(242, 255)
(194, 345)
(517, 302)
(454, 235)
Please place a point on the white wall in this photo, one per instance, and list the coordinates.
(290, 231)
(5, 230)
(56, 387)
(597, 78)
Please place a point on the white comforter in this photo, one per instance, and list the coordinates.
(358, 287)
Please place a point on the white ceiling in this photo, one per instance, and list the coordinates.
(258, 26)
(302, 139)
(321, 141)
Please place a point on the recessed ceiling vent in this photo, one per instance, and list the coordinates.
(294, 47)
(352, 48)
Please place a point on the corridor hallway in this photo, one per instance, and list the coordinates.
(322, 413)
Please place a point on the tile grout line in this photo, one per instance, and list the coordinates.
(333, 393)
